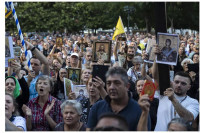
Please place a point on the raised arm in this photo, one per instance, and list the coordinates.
(145, 105)
(182, 111)
(41, 57)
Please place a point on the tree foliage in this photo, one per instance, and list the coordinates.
(77, 16)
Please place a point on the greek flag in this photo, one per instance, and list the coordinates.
(8, 10)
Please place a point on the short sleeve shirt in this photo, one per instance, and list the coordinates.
(131, 113)
(39, 121)
(20, 122)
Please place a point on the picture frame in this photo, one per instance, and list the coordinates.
(74, 74)
(9, 52)
(80, 92)
(68, 87)
(169, 44)
(102, 50)
(149, 51)
(17, 51)
(59, 41)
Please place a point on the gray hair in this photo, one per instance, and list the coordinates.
(181, 121)
(44, 77)
(119, 71)
(187, 59)
(75, 104)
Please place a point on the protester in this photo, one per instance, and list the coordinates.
(40, 66)
(117, 101)
(71, 112)
(43, 113)
(13, 121)
(111, 122)
(178, 124)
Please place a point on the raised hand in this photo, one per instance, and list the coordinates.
(144, 102)
(49, 107)
(72, 95)
(27, 111)
(170, 93)
(99, 84)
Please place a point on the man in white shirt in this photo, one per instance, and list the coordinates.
(176, 103)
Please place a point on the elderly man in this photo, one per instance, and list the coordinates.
(117, 101)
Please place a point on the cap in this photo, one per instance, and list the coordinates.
(74, 54)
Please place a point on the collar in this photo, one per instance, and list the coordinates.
(12, 118)
(36, 100)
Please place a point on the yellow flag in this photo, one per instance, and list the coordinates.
(119, 28)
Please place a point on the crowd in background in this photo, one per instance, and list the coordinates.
(35, 99)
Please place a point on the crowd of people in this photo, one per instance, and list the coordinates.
(35, 99)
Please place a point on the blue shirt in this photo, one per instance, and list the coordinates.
(32, 90)
(131, 113)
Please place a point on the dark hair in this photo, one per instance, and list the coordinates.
(194, 54)
(119, 71)
(33, 57)
(184, 74)
(168, 40)
(181, 121)
(123, 124)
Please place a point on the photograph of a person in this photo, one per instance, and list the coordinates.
(74, 75)
(80, 92)
(101, 50)
(169, 47)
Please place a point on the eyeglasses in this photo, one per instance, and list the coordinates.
(107, 128)
(182, 83)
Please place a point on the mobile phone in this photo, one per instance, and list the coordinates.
(193, 67)
(100, 71)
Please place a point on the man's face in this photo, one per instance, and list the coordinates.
(116, 87)
(181, 85)
(131, 52)
(63, 74)
(35, 64)
(73, 59)
(88, 56)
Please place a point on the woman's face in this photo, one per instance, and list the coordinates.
(180, 51)
(70, 115)
(92, 90)
(43, 87)
(10, 85)
(196, 58)
(137, 66)
(139, 86)
(9, 106)
(86, 74)
(185, 67)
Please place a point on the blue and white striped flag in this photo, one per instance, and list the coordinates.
(8, 10)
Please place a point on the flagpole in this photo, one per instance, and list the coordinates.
(20, 34)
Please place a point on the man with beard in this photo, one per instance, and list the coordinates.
(130, 56)
(176, 103)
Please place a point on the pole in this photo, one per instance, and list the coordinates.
(20, 34)
(128, 21)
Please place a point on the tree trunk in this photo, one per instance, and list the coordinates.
(172, 24)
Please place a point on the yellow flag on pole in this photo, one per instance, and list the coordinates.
(119, 28)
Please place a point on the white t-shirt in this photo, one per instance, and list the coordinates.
(20, 122)
(166, 110)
